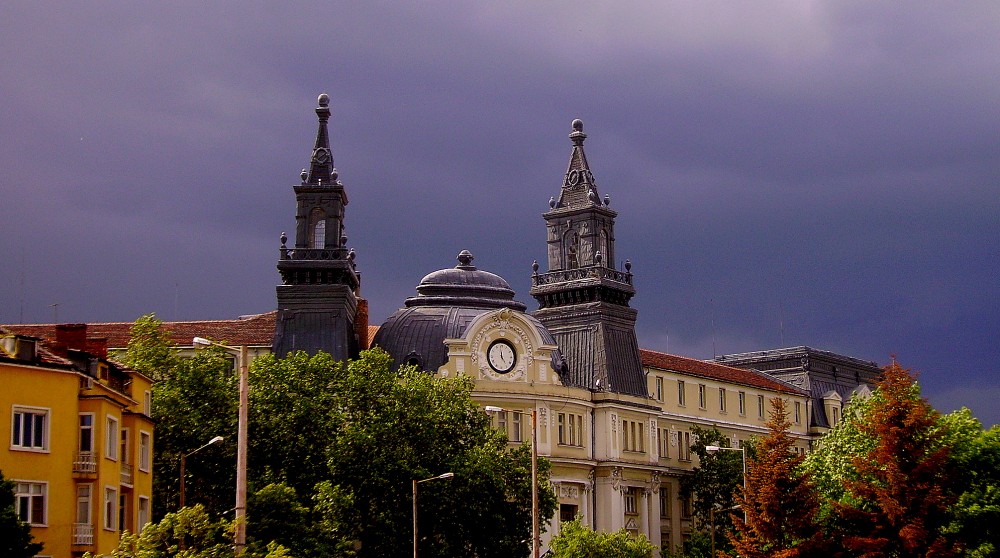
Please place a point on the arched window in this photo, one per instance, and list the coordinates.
(317, 228)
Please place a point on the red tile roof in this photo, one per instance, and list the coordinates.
(711, 370)
(253, 330)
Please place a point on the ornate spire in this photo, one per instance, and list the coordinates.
(579, 187)
(321, 170)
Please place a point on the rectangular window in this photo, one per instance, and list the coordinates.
(515, 434)
(126, 449)
(722, 399)
(685, 450)
(663, 443)
(631, 506)
(680, 393)
(743, 403)
(665, 501)
(567, 512)
(502, 421)
(147, 403)
(572, 430)
(798, 412)
(112, 438)
(562, 428)
(701, 396)
(659, 389)
(760, 406)
(30, 429)
(86, 433)
(84, 496)
(29, 498)
(110, 508)
(836, 415)
(579, 430)
(145, 450)
(143, 517)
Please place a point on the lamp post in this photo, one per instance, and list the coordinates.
(711, 519)
(711, 513)
(241, 439)
(415, 483)
(189, 454)
(535, 528)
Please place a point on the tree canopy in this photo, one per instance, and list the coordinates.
(579, 541)
(16, 540)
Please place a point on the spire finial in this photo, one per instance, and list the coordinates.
(577, 134)
(465, 260)
(321, 162)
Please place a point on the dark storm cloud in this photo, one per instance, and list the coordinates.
(785, 173)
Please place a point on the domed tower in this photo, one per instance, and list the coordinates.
(582, 299)
(447, 301)
(317, 302)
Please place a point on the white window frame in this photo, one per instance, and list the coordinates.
(25, 491)
(112, 437)
(142, 517)
(798, 412)
(147, 403)
(631, 501)
(659, 388)
(145, 450)
(17, 432)
(681, 393)
(125, 441)
(743, 403)
(89, 427)
(516, 434)
(85, 501)
(702, 396)
(760, 406)
(110, 508)
(722, 399)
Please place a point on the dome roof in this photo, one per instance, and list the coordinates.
(465, 286)
(447, 302)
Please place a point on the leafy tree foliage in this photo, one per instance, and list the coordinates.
(150, 350)
(376, 431)
(16, 540)
(975, 457)
(897, 487)
(780, 504)
(713, 483)
(188, 533)
(578, 541)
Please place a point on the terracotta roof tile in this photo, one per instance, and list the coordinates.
(253, 330)
(711, 370)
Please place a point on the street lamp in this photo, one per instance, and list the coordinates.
(241, 439)
(415, 483)
(189, 454)
(535, 537)
(711, 513)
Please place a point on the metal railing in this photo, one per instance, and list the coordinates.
(128, 471)
(582, 273)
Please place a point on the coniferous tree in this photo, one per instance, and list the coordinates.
(899, 502)
(779, 502)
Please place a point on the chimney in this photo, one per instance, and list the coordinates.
(98, 346)
(361, 324)
(72, 336)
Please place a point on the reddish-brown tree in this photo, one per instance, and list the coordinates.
(779, 502)
(898, 504)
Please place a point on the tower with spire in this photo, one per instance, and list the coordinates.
(583, 300)
(317, 297)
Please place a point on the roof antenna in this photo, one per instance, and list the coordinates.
(55, 312)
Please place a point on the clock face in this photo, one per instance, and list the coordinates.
(501, 356)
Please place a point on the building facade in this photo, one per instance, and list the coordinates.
(81, 440)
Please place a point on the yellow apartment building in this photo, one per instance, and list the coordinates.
(80, 440)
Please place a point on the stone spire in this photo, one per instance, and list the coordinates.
(317, 300)
(583, 300)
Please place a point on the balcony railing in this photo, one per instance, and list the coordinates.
(85, 462)
(590, 272)
(83, 534)
(127, 473)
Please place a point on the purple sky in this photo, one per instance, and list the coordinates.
(800, 173)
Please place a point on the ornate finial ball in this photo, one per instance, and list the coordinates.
(598, 257)
(628, 265)
(578, 125)
(465, 257)
(334, 174)
(534, 266)
(552, 203)
(323, 100)
(284, 238)
(303, 175)
(607, 199)
(351, 255)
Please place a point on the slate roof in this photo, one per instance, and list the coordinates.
(713, 371)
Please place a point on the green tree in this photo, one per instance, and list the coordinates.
(713, 483)
(975, 456)
(578, 541)
(195, 402)
(899, 502)
(150, 349)
(16, 540)
(780, 504)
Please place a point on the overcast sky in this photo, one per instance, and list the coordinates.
(797, 173)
